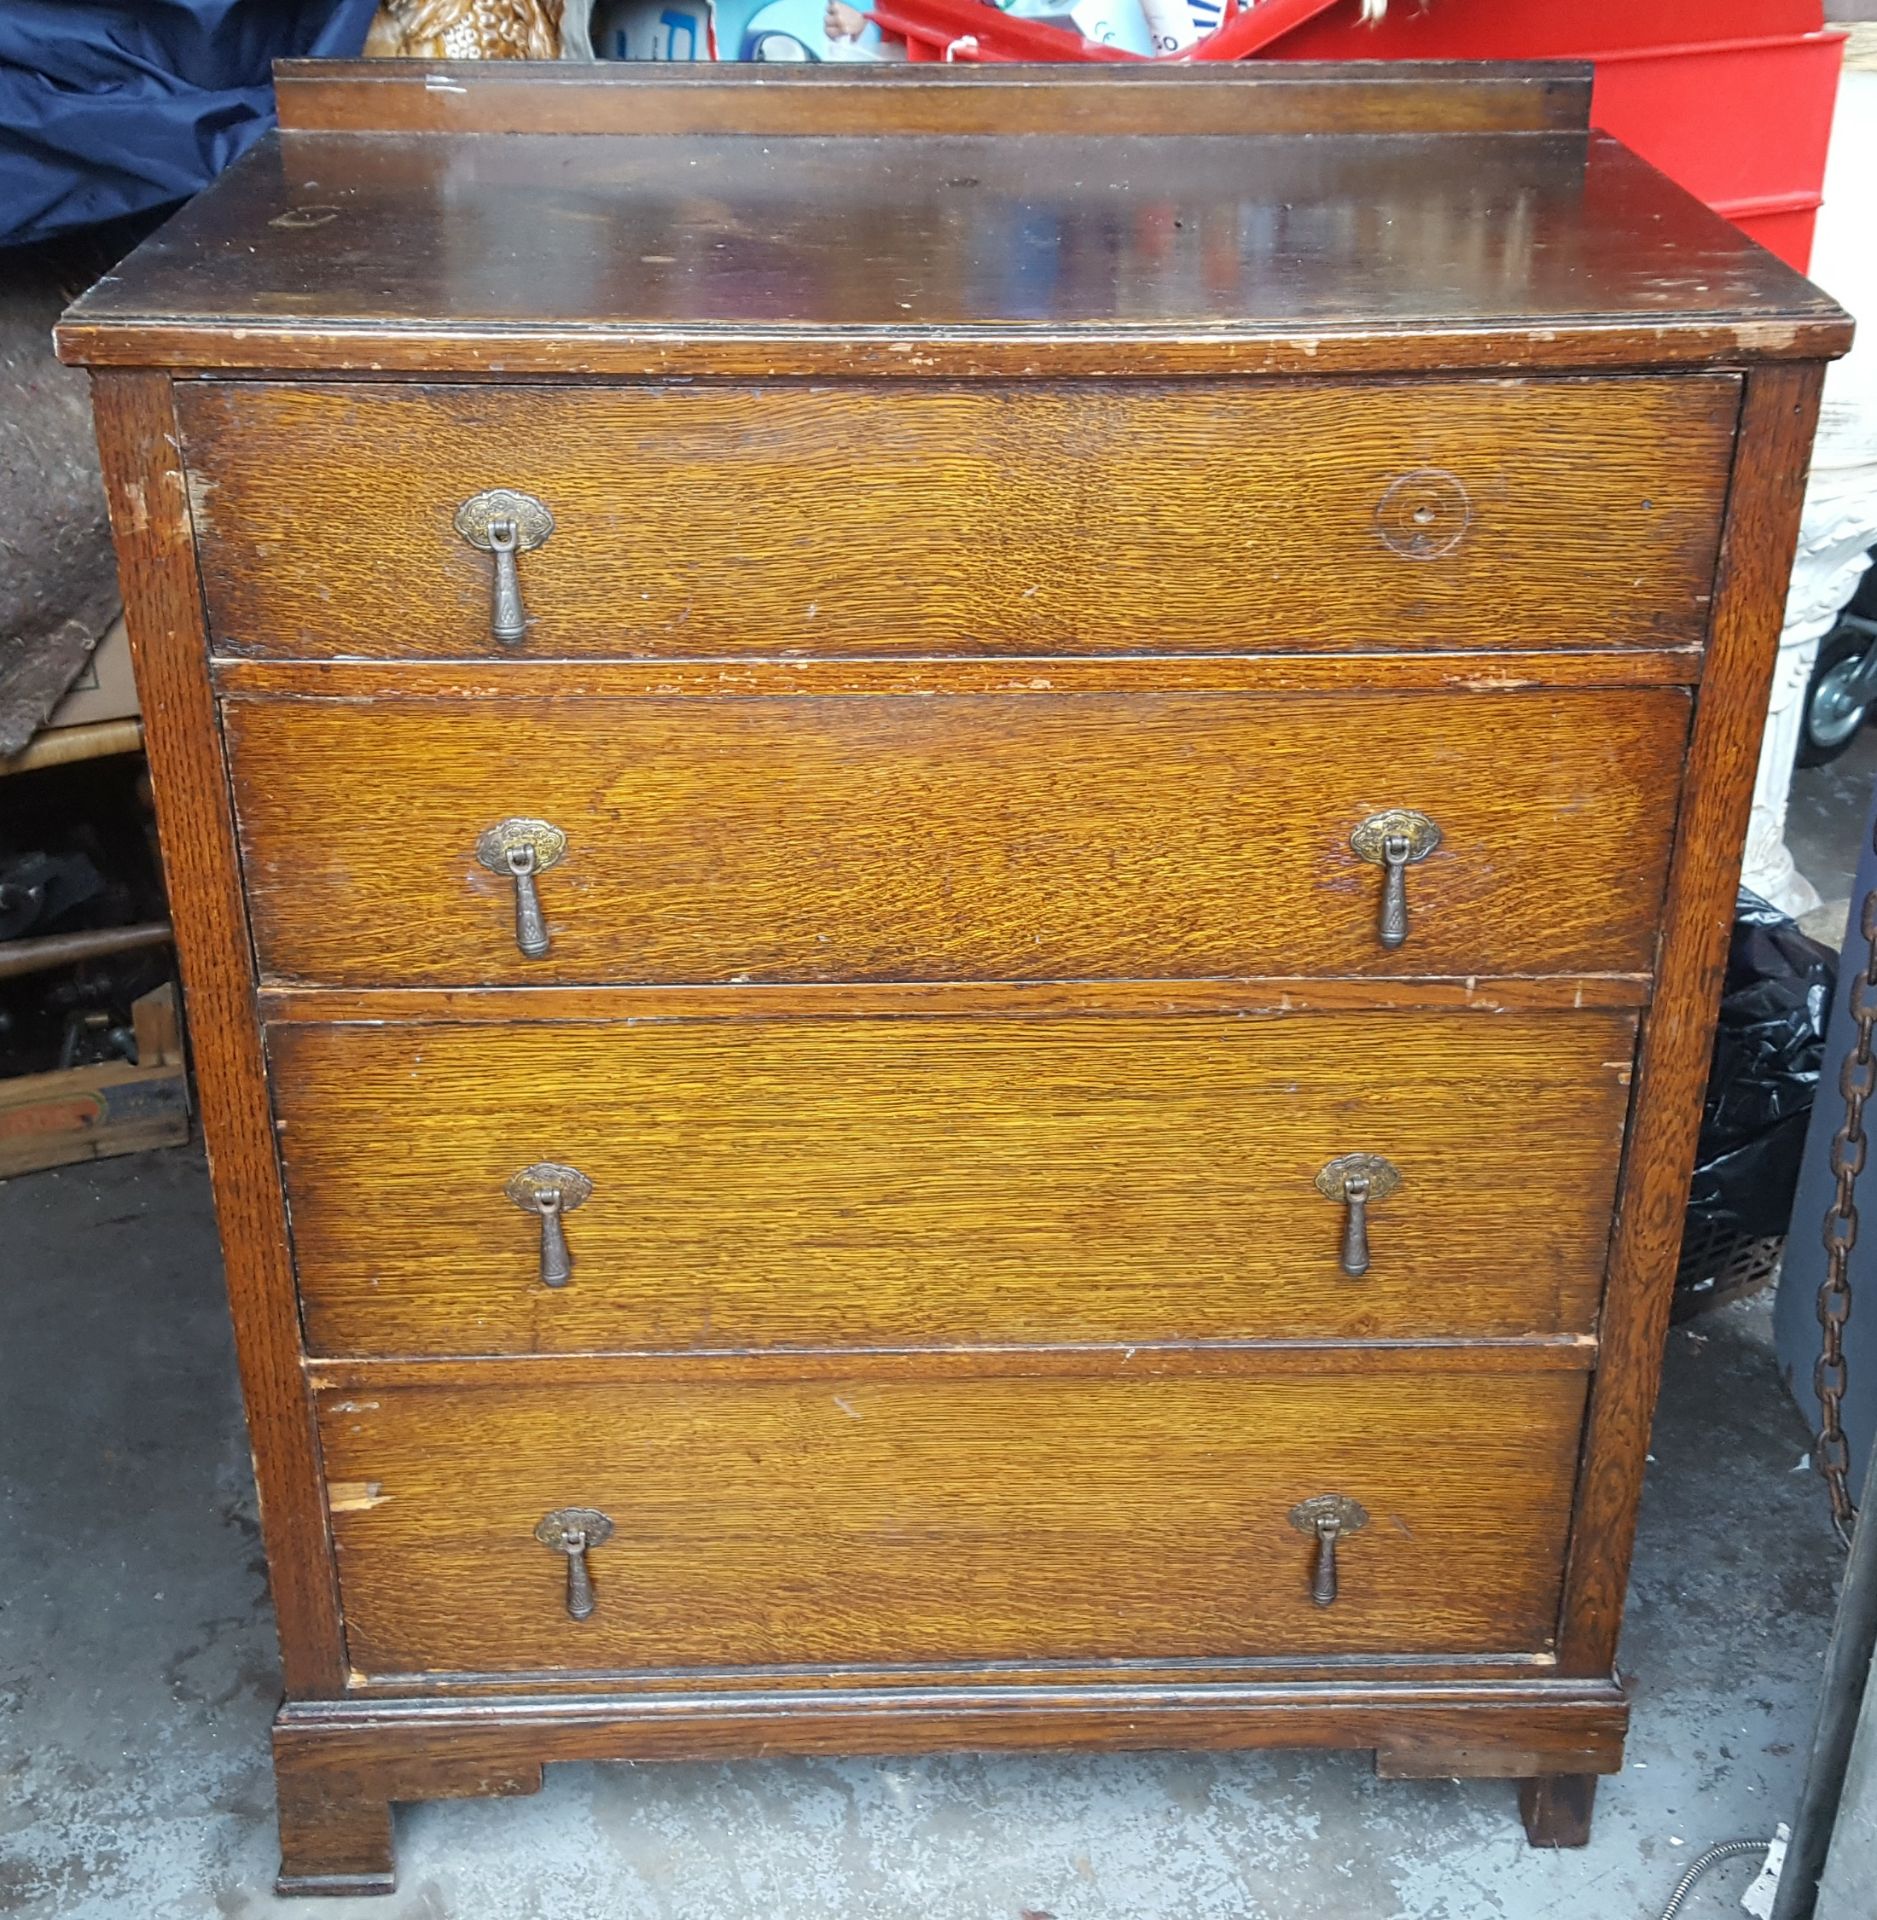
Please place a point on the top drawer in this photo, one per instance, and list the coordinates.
(916, 520)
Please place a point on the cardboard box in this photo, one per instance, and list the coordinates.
(106, 690)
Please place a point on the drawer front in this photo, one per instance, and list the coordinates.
(1034, 836)
(1026, 519)
(840, 1182)
(902, 1521)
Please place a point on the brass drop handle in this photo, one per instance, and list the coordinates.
(521, 849)
(1356, 1225)
(551, 1192)
(1394, 927)
(1394, 842)
(574, 1531)
(1357, 1179)
(530, 922)
(557, 1266)
(1328, 1518)
(503, 523)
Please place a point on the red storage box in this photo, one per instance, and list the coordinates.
(1732, 98)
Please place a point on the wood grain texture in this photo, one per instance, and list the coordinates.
(1038, 520)
(470, 96)
(903, 1521)
(361, 351)
(1763, 524)
(340, 1767)
(1438, 1759)
(732, 1685)
(332, 1841)
(1150, 1360)
(945, 838)
(335, 1811)
(927, 255)
(906, 1183)
(1499, 671)
(163, 610)
(1009, 999)
(401, 1744)
(1556, 1808)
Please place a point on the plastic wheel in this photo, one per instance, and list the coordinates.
(1833, 716)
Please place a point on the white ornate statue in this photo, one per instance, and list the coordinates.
(1840, 523)
(1839, 527)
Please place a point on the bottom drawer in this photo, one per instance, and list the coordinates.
(1143, 1512)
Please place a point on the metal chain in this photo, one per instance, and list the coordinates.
(1857, 1079)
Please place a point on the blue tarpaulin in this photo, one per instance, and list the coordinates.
(113, 110)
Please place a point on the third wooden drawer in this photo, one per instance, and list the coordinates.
(843, 1181)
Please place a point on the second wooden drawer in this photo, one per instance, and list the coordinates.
(861, 1182)
(894, 837)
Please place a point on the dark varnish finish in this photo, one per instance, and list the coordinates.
(1008, 541)
(901, 245)
(443, 96)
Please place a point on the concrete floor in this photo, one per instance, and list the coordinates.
(137, 1675)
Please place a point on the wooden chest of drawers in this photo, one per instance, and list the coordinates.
(952, 849)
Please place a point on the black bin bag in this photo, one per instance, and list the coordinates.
(1768, 1047)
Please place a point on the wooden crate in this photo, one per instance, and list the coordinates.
(92, 1112)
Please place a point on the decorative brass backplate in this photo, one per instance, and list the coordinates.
(1335, 1511)
(531, 521)
(1371, 838)
(1382, 1175)
(494, 844)
(526, 1187)
(574, 1529)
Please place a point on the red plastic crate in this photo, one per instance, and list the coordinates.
(1744, 124)
(970, 31)
(1732, 98)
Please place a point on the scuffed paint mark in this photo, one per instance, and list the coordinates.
(198, 487)
(847, 1407)
(355, 1496)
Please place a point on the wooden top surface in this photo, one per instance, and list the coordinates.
(934, 252)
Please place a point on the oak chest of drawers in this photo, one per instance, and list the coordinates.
(951, 850)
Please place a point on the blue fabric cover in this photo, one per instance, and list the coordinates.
(113, 110)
